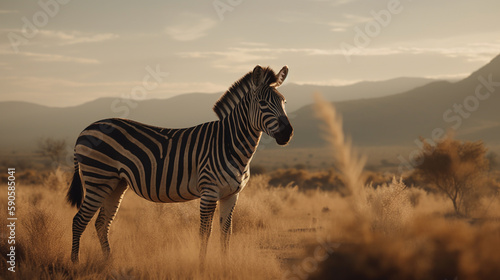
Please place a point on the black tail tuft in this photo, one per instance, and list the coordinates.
(75, 192)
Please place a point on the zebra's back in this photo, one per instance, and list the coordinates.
(159, 164)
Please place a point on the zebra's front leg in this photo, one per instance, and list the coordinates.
(226, 212)
(208, 203)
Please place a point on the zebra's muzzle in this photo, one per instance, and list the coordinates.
(285, 131)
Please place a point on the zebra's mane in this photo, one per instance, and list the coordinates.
(232, 97)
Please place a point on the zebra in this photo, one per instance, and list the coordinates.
(208, 161)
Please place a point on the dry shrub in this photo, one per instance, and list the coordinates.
(52, 149)
(30, 177)
(391, 206)
(378, 178)
(56, 179)
(40, 250)
(40, 237)
(327, 180)
(456, 169)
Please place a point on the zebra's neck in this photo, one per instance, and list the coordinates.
(241, 139)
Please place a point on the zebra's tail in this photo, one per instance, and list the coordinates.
(75, 192)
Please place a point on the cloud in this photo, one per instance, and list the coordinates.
(338, 29)
(346, 21)
(241, 59)
(75, 37)
(337, 3)
(49, 38)
(330, 82)
(168, 89)
(191, 27)
(50, 83)
(6, 50)
(449, 77)
(233, 59)
(243, 55)
(334, 3)
(471, 51)
(58, 58)
(293, 17)
(8, 12)
(254, 44)
(238, 59)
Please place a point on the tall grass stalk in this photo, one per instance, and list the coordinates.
(348, 161)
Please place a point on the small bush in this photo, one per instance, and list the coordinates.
(52, 149)
(307, 180)
(390, 206)
(456, 169)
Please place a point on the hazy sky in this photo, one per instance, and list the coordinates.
(69, 52)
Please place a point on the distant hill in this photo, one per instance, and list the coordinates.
(400, 119)
(300, 95)
(24, 123)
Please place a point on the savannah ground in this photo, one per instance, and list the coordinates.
(279, 233)
(293, 223)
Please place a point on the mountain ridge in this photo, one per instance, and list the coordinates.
(402, 118)
(385, 117)
(412, 81)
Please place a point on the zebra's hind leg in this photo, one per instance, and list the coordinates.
(94, 197)
(106, 215)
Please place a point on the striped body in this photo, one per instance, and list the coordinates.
(164, 165)
(208, 161)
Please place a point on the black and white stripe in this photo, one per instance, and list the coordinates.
(208, 161)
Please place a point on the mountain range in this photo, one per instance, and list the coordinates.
(384, 113)
(470, 106)
(24, 123)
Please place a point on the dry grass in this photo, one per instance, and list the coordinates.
(160, 241)
(277, 231)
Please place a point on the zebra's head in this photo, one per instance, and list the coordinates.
(269, 104)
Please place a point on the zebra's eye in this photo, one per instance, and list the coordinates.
(263, 103)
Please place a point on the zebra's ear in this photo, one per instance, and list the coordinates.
(281, 77)
(257, 76)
